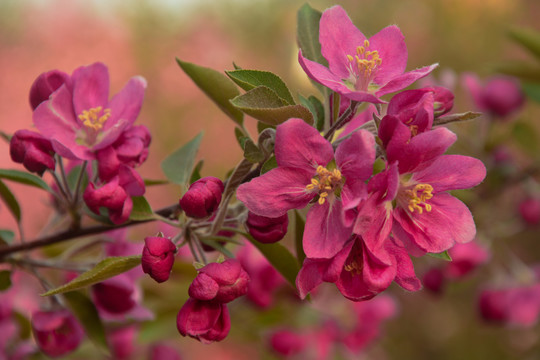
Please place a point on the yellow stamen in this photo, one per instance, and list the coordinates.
(327, 181)
(417, 199)
(353, 267)
(91, 119)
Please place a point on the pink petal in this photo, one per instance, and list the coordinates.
(338, 37)
(402, 81)
(90, 87)
(390, 43)
(405, 276)
(276, 192)
(299, 145)
(127, 103)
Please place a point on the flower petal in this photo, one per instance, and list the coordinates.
(402, 81)
(90, 87)
(390, 43)
(127, 103)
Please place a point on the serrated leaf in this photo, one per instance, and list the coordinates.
(269, 165)
(525, 136)
(252, 153)
(6, 236)
(316, 108)
(443, 255)
(141, 209)
(85, 311)
(265, 105)
(196, 173)
(530, 39)
(104, 270)
(5, 280)
(532, 90)
(280, 258)
(299, 224)
(249, 79)
(24, 178)
(177, 167)
(469, 115)
(10, 200)
(218, 87)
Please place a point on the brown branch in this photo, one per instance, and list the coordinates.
(77, 233)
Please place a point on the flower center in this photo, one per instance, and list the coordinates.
(419, 196)
(325, 181)
(363, 66)
(95, 117)
(355, 261)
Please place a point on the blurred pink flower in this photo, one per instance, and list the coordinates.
(206, 321)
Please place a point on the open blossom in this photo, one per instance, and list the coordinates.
(360, 69)
(111, 196)
(309, 170)
(80, 119)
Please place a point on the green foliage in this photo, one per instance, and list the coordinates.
(529, 39)
(525, 136)
(469, 115)
(316, 108)
(6, 237)
(141, 209)
(250, 79)
(265, 105)
(216, 86)
(532, 90)
(85, 311)
(178, 166)
(443, 255)
(5, 280)
(252, 153)
(196, 173)
(10, 200)
(104, 270)
(24, 178)
(269, 165)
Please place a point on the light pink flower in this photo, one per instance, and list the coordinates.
(80, 119)
(358, 68)
(308, 169)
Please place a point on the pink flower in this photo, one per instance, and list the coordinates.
(122, 341)
(267, 230)
(517, 306)
(32, 150)
(158, 257)
(220, 282)
(287, 343)
(56, 332)
(529, 209)
(358, 68)
(80, 119)
(465, 259)
(115, 295)
(307, 171)
(499, 96)
(202, 198)
(163, 352)
(111, 196)
(206, 321)
(46, 84)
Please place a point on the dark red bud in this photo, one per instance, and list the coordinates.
(267, 230)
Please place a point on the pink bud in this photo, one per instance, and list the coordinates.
(529, 209)
(202, 198)
(267, 230)
(206, 321)
(163, 352)
(493, 305)
(45, 84)
(413, 108)
(465, 258)
(115, 295)
(111, 196)
(434, 280)
(287, 343)
(32, 150)
(122, 342)
(132, 146)
(56, 332)
(158, 258)
(443, 100)
(220, 282)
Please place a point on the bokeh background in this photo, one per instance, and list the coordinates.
(143, 37)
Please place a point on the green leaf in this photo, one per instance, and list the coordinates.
(443, 255)
(525, 136)
(532, 90)
(141, 209)
(177, 167)
(24, 178)
(524, 70)
(73, 176)
(252, 153)
(280, 258)
(5, 280)
(316, 108)
(529, 38)
(262, 126)
(10, 201)
(218, 87)
(85, 311)
(5, 136)
(196, 173)
(218, 247)
(104, 270)
(6, 237)
(299, 224)
(249, 79)
(153, 182)
(469, 115)
(269, 165)
(265, 105)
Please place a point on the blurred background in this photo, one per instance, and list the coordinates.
(143, 37)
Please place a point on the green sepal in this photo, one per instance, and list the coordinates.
(443, 255)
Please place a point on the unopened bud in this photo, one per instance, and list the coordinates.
(56, 332)
(32, 150)
(220, 282)
(267, 230)
(202, 198)
(158, 258)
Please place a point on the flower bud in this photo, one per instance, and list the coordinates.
(493, 305)
(413, 108)
(115, 295)
(56, 332)
(111, 196)
(202, 198)
(32, 150)
(122, 341)
(287, 343)
(158, 258)
(267, 230)
(206, 321)
(465, 259)
(220, 282)
(434, 280)
(163, 352)
(443, 100)
(45, 84)
(529, 209)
